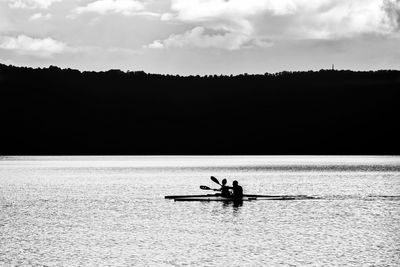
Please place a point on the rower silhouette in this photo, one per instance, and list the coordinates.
(237, 190)
(224, 189)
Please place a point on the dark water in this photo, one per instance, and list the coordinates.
(70, 211)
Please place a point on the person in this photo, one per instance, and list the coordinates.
(224, 189)
(237, 190)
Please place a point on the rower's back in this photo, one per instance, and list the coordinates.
(237, 190)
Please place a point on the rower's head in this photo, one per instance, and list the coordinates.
(224, 181)
(235, 183)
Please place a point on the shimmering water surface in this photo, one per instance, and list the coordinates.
(111, 211)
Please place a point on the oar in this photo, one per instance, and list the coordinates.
(203, 187)
(215, 180)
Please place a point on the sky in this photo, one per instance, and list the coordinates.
(190, 37)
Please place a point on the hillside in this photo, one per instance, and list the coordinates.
(62, 111)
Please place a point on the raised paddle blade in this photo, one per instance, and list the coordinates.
(215, 180)
(205, 187)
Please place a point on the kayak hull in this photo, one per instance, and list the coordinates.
(211, 197)
(227, 199)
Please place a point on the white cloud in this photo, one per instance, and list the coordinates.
(157, 44)
(125, 7)
(31, 4)
(27, 45)
(197, 37)
(166, 16)
(338, 19)
(246, 21)
(40, 16)
(202, 10)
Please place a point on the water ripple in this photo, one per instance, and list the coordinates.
(103, 217)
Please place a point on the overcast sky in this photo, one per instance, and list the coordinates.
(201, 36)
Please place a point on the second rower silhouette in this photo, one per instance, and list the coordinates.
(237, 190)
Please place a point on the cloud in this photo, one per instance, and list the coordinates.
(252, 21)
(203, 10)
(197, 37)
(31, 4)
(392, 9)
(27, 45)
(157, 44)
(124, 7)
(40, 16)
(339, 19)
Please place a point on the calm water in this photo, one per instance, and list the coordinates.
(70, 211)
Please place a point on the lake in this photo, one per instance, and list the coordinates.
(111, 211)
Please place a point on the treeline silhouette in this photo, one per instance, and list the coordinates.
(64, 111)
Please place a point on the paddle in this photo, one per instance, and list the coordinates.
(215, 180)
(203, 187)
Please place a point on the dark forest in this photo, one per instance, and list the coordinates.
(53, 111)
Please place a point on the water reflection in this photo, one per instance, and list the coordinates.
(235, 204)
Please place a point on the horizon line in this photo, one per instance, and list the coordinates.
(199, 75)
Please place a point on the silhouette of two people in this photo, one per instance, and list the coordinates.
(237, 190)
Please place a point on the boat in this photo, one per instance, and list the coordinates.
(218, 197)
(246, 197)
